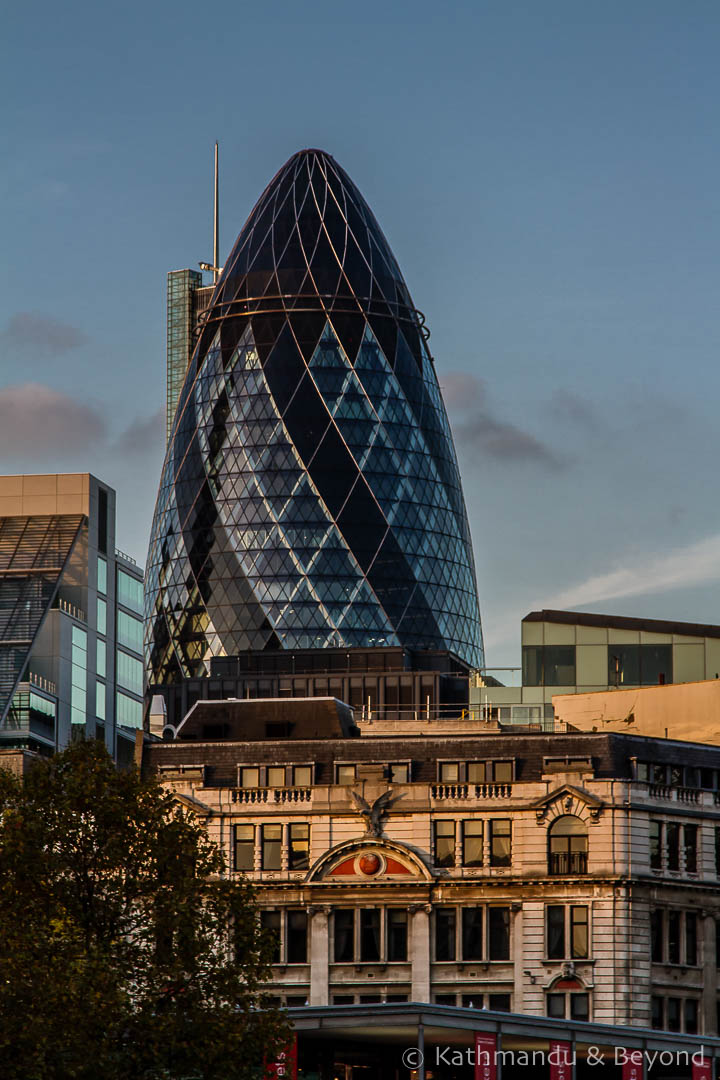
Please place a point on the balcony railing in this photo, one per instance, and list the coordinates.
(564, 863)
(293, 794)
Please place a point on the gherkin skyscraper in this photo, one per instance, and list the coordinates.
(310, 495)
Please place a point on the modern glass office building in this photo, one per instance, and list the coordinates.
(70, 617)
(310, 495)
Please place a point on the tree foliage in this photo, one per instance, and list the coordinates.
(124, 952)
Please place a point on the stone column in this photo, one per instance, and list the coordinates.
(707, 938)
(518, 955)
(420, 951)
(319, 955)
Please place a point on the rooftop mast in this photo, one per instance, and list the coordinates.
(216, 222)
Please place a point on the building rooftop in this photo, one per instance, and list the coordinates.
(622, 622)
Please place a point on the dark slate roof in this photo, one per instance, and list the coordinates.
(621, 622)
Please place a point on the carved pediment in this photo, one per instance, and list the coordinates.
(366, 860)
(188, 802)
(568, 799)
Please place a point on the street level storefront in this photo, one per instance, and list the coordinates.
(435, 1042)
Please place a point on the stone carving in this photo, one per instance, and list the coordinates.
(374, 815)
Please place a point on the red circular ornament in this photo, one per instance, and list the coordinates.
(369, 864)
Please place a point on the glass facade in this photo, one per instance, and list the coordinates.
(310, 495)
(181, 288)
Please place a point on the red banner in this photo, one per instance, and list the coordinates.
(285, 1065)
(632, 1065)
(485, 1056)
(560, 1060)
(701, 1068)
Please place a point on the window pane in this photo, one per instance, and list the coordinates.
(276, 776)
(271, 847)
(102, 576)
(499, 1002)
(472, 933)
(657, 950)
(691, 845)
(502, 772)
(579, 1006)
(397, 922)
(673, 921)
(101, 658)
(556, 931)
(100, 699)
(346, 774)
(449, 772)
(579, 932)
(399, 774)
(244, 847)
(101, 616)
(499, 933)
(130, 592)
(624, 665)
(559, 665)
(297, 937)
(445, 933)
(250, 777)
(673, 1014)
(129, 631)
(369, 934)
(444, 843)
(672, 833)
(299, 854)
(270, 921)
(655, 664)
(532, 674)
(556, 1005)
(655, 845)
(657, 1013)
(344, 936)
(302, 775)
(690, 938)
(472, 837)
(476, 772)
(129, 711)
(691, 1016)
(500, 842)
(129, 672)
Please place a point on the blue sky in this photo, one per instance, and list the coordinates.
(547, 175)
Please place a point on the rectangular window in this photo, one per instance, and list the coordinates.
(302, 775)
(344, 936)
(502, 772)
(449, 772)
(673, 1014)
(397, 935)
(271, 847)
(101, 616)
(690, 833)
(472, 933)
(297, 937)
(691, 1016)
(691, 940)
(499, 933)
(500, 842)
(369, 934)
(579, 937)
(556, 1006)
(101, 659)
(78, 676)
(655, 845)
(444, 843)
(658, 1021)
(244, 847)
(673, 922)
(276, 776)
(250, 777)
(657, 937)
(270, 922)
(129, 673)
(472, 843)
(556, 931)
(345, 774)
(130, 592)
(445, 924)
(399, 773)
(102, 576)
(499, 1002)
(672, 834)
(99, 699)
(129, 631)
(579, 1007)
(128, 711)
(299, 846)
(476, 772)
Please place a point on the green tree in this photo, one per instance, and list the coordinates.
(123, 950)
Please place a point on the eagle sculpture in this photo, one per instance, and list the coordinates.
(374, 815)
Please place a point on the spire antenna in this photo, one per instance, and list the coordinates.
(216, 222)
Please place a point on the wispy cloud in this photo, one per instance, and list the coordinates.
(37, 421)
(143, 436)
(42, 333)
(479, 429)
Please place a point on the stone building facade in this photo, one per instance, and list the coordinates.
(567, 875)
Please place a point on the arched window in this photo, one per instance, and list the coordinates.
(568, 846)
